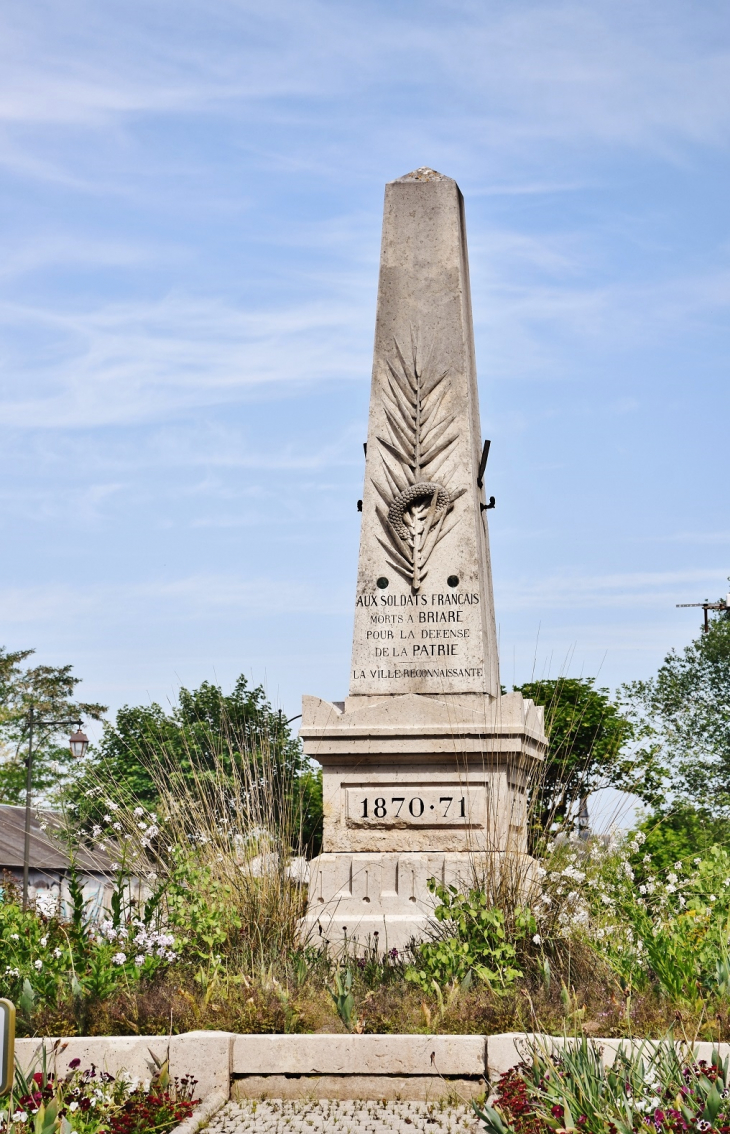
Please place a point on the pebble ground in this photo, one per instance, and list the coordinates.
(300, 1116)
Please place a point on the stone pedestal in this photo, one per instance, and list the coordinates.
(415, 787)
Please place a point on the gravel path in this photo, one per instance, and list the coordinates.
(276, 1116)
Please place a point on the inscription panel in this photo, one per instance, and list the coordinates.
(431, 640)
(399, 805)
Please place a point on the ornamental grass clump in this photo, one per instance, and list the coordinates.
(214, 858)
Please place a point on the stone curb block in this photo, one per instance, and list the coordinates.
(207, 1056)
(510, 1048)
(462, 1056)
(107, 1053)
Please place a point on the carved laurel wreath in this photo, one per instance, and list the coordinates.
(419, 440)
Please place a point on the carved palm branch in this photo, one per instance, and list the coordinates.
(418, 440)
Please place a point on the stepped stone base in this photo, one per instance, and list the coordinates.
(383, 900)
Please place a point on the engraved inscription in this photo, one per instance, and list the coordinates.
(401, 630)
(449, 805)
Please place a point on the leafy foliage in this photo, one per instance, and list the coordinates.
(683, 719)
(198, 740)
(50, 691)
(49, 959)
(652, 1088)
(475, 940)
(588, 737)
(683, 832)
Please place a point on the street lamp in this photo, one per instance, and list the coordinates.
(78, 744)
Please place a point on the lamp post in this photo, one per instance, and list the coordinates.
(78, 743)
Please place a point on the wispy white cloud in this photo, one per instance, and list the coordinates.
(185, 598)
(629, 74)
(627, 590)
(136, 361)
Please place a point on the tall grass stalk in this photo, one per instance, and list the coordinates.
(226, 831)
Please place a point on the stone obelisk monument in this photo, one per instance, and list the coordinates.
(426, 764)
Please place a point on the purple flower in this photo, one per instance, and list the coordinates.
(74, 1064)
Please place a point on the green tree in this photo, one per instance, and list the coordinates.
(588, 748)
(202, 736)
(50, 691)
(684, 716)
(681, 832)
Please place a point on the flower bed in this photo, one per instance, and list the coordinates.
(656, 1090)
(91, 1102)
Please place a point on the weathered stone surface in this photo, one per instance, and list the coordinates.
(384, 899)
(424, 615)
(362, 1055)
(108, 1053)
(207, 1056)
(424, 757)
(426, 1088)
(461, 771)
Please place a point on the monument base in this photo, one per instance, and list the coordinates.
(382, 900)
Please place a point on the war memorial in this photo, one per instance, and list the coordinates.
(426, 762)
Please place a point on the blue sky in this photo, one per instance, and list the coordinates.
(191, 200)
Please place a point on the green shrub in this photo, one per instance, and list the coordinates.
(474, 940)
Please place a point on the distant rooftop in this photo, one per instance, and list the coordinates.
(45, 853)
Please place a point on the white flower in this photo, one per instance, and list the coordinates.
(642, 889)
(672, 877)
(119, 958)
(713, 898)
(138, 812)
(57, 953)
(678, 866)
(38, 964)
(646, 859)
(14, 937)
(139, 959)
(671, 889)
(697, 861)
(73, 1105)
(20, 1116)
(44, 941)
(111, 806)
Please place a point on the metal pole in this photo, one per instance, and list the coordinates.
(28, 791)
(707, 620)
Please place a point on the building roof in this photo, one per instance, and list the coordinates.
(46, 849)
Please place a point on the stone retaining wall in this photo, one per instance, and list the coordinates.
(320, 1066)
